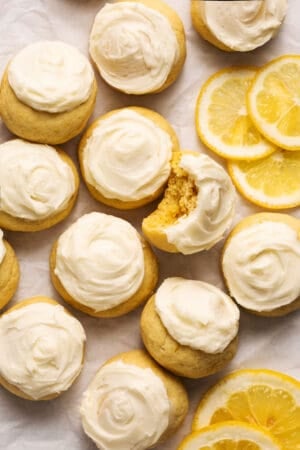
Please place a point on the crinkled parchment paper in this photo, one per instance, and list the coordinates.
(271, 343)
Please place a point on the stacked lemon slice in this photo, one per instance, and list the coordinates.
(248, 410)
(251, 117)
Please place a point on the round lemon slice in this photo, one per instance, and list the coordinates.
(274, 101)
(230, 436)
(222, 120)
(272, 182)
(263, 397)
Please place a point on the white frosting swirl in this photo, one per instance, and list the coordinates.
(206, 224)
(2, 247)
(243, 25)
(35, 182)
(51, 76)
(133, 46)
(100, 261)
(41, 348)
(261, 265)
(125, 407)
(128, 156)
(208, 321)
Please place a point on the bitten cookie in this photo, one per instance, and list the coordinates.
(261, 264)
(102, 266)
(9, 272)
(38, 183)
(48, 92)
(238, 26)
(125, 157)
(197, 208)
(190, 327)
(138, 46)
(145, 405)
(42, 349)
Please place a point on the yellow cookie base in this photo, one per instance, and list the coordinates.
(201, 28)
(40, 126)
(178, 29)
(256, 219)
(12, 388)
(179, 200)
(176, 392)
(179, 359)
(161, 122)
(144, 292)
(9, 275)
(12, 223)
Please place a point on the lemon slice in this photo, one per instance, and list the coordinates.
(262, 397)
(230, 436)
(222, 120)
(272, 182)
(274, 101)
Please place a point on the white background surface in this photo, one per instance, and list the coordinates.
(271, 343)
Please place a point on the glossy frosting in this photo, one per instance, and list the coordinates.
(41, 349)
(51, 76)
(2, 247)
(100, 261)
(35, 182)
(133, 46)
(261, 265)
(243, 25)
(208, 221)
(197, 314)
(128, 156)
(125, 407)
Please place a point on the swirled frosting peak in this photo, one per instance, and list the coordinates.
(2, 247)
(133, 46)
(261, 265)
(243, 25)
(125, 407)
(197, 314)
(100, 261)
(128, 156)
(51, 76)
(35, 182)
(41, 348)
(206, 224)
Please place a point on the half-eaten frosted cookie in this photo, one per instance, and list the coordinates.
(197, 208)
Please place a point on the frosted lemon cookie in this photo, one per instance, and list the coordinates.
(261, 264)
(238, 25)
(190, 327)
(38, 185)
(42, 349)
(125, 157)
(197, 208)
(138, 46)
(132, 403)
(9, 271)
(102, 266)
(48, 92)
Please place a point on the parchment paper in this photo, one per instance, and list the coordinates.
(270, 343)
